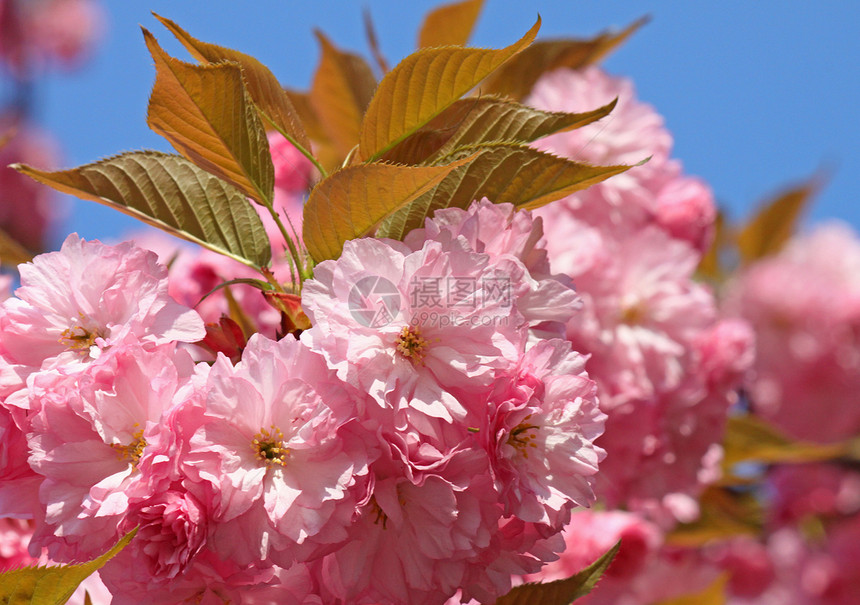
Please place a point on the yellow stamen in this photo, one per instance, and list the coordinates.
(269, 447)
(411, 345)
(522, 437)
(134, 450)
(633, 314)
(79, 337)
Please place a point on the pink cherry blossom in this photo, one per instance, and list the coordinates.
(15, 537)
(293, 171)
(662, 451)
(799, 491)
(271, 451)
(685, 209)
(169, 560)
(412, 328)
(76, 303)
(35, 34)
(494, 229)
(173, 524)
(749, 564)
(641, 309)
(543, 422)
(644, 571)
(294, 175)
(633, 132)
(63, 30)
(512, 239)
(415, 540)
(819, 571)
(19, 485)
(591, 533)
(666, 368)
(87, 435)
(651, 193)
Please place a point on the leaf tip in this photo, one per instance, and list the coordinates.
(612, 104)
(151, 43)
(320, 36)
(641, 21)
(163, 20)
(27, 170)
(532, 33)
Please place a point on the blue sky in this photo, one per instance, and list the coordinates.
(756, 94)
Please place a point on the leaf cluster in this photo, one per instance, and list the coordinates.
(440, 129)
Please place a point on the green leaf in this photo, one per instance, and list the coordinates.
(485, 120)
(723, 513)
(51, 585)
(265, 90)
(207, 115)
(775, 222)
(501, 172)
(169, 192)
(751, 439)
(351, 202)
(714, 594)
(341, 91)
(561, 592)
(450, 24)
(422, 85)
(518, 76)
(12, 252)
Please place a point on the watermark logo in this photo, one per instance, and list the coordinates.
(374, 301)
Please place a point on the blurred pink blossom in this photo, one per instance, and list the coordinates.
(804, 305)
(29, 211)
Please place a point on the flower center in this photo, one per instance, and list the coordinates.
(269, 447)
(411, 345)
(633, 314)
(523, 436)
(79, 337)
(134, 450)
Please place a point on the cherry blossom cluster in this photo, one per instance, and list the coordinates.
(433, 421)
(667, 366)
(667, 356)
(37, 33)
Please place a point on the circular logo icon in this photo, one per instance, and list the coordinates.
(374, 301)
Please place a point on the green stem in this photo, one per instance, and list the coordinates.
(301, 267)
